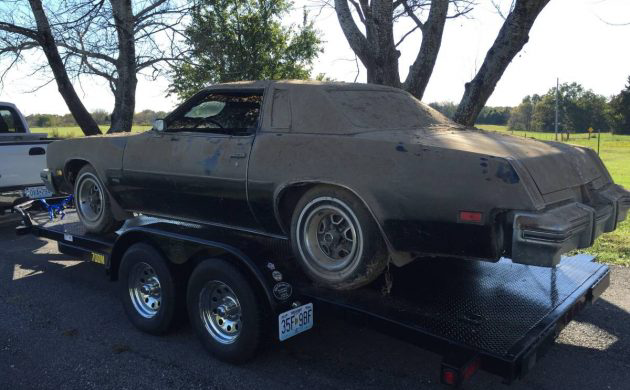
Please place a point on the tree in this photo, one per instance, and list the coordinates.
(244, 40)
(521, 116)
(513, 35)
(112, 39)
(494, 115)
(36, 32)
(376, 48)
(446, 108)
(579, 109)
(620, 107)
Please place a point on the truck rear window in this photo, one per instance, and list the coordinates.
(10, 121)
(383, 109)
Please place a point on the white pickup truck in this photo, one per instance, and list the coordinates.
(22, 158)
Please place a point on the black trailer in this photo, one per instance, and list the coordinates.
(240, 287)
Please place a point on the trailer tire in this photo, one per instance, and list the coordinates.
(147, 289)
(92, 202)
(224, 311)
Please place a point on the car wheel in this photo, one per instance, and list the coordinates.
(147, 289)
(336, 240)
(224, 311)
(92, 202)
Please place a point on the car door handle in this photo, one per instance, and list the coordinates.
(238, 155)
(36, 151)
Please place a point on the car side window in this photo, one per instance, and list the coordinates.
(223, 113)
(10, 121)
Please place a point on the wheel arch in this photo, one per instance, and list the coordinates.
(185, 253)
(289, 194)
(72, 167)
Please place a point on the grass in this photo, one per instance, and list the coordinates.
(614, 247)
(75, 131)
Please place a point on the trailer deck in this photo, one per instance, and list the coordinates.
(498, 317)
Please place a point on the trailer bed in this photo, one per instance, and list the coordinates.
(499, 317)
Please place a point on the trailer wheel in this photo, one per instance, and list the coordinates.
(224, 311)
(92, 202)
(147, 289)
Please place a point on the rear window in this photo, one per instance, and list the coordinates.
(10, 122)
(383, 109)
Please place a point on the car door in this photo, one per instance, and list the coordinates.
(196, 169)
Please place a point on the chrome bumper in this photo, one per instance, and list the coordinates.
(541, 238)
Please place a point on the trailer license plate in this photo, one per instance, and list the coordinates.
(37, 192)
(295, 321)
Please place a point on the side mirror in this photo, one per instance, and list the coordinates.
(159, 125)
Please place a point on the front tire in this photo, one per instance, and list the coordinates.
(224, 311)
(92, 202)
(336, 240)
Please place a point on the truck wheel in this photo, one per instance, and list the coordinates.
(147, 289)
(92, 202)
(336, 240)
(224, 311)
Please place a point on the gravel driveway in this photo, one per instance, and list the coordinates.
(61, 326)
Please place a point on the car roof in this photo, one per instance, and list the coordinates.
(328, 85)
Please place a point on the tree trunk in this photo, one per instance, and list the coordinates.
(376, 49)
(422, 68)
(46, 40)
(512, 37)
(126, 82)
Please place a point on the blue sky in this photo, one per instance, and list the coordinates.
(569, 40)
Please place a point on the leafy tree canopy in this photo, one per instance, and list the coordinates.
(579, 110)
(620, 110)
(244, 40)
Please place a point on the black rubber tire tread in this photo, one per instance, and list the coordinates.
(106, 223)
(163, 320)
(375, 256)
(245, 347)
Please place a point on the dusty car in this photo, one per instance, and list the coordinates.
(355, 176)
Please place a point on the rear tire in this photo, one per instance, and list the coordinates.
(147, 289)
(224, 311)
(336, 240)
(92, 202)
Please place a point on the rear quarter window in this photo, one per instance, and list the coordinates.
(383, 109)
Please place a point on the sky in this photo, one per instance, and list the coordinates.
(574, 40)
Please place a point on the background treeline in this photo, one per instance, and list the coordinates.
(102, 118)
(579, 110)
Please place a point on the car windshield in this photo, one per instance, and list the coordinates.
(384, 109)
(220, 113)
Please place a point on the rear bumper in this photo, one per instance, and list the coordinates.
(541, 238)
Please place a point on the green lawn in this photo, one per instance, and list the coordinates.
(75, 131)
(615, 152)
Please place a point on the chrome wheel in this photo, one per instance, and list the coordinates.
(90, 198)
(329, 236)
(145, 290)
(220, 311)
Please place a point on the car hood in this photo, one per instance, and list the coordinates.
(554, 166)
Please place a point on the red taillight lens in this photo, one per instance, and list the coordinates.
(449, 377)
(470, 216)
